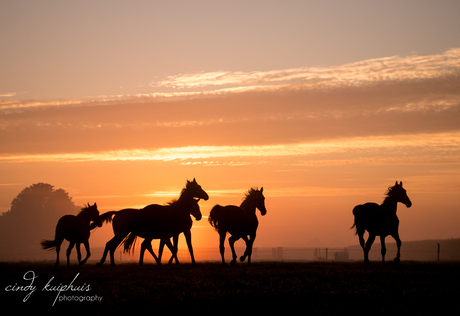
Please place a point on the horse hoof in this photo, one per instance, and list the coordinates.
(242, 258)
(397, 260)
(233, 263)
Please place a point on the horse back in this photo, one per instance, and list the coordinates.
(162, 221)
(237, 222)
(375, 219)
(71, 228)
(125, 220)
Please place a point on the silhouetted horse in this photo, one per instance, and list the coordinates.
(75, 229)
(153, 222)
(380, 220)
(182, 224)
(240, 222)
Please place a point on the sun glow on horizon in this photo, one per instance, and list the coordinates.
(448, 143)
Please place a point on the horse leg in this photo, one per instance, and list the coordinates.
(171, 248)
(360, 233)
(383, 251)
(143, 247)
(160, 250)
(188, 239)
(149, 248)
(59, 241)
(175, 249)
(146, 244)
(231, 240)
(111, 246)
(58, 248)
(69, 250)
(221, 245)
(249, 244)
(77, 247)
(246, 251)
(368, 246)
(104, 255)
(88, 252)
(398, 244)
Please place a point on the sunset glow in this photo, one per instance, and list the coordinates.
(122, 107)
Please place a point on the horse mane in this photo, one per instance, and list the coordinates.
(389, 190)
(172, 202)
(84, 209)
(250, 192)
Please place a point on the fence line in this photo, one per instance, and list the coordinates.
(259, 254)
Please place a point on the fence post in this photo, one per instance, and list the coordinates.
(439, 250)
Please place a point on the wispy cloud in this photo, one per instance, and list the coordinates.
(446, 142)
(367, 71)
(216, 83)
(267, 114)
(7, 95)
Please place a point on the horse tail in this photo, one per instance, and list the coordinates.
(107, 217)
(129, 242)
(356, 213)
(216, 215)
(49, 244)
(103, 218)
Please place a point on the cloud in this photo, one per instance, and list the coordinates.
(358, 73)
(7, 95)
(444, 142)
(394, 96)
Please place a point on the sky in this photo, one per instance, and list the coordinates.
(324, 104)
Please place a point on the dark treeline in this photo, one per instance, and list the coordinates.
(32, 217)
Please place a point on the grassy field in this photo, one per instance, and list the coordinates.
(271, 288)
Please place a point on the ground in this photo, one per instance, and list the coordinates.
(412, 288)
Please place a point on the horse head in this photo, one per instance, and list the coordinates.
(400, 194)
(261, 203)
(90, 213)
(195, 210)
(194, 190)
(257, 199)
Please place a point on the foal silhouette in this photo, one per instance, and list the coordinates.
(380, 220)
(75, 229)
(154, 222)
(240, 222)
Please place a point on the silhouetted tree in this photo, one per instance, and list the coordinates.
(32, 217)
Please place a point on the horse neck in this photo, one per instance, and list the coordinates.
(84, 218)
(390, 204)
(184, 202)
(248, 206)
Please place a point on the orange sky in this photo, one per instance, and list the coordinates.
(117, 112)
(333, 138)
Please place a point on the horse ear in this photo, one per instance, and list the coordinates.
(261, 189)
(194, 180)
(95, 204)
(396, 183)
(400, 183)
